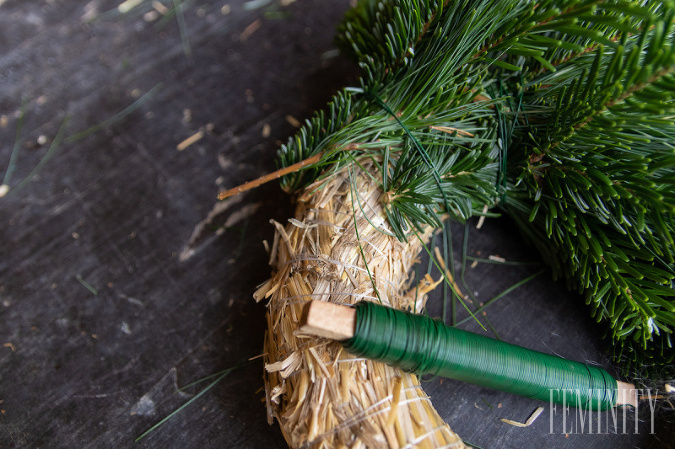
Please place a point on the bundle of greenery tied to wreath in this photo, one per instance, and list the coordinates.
(557, 113)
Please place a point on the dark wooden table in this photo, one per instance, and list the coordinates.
(120, 278)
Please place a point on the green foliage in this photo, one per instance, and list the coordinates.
(559, 112)
(600, 135)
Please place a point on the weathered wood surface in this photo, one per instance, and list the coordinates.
(107, 304)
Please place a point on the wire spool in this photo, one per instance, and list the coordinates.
(419, 344)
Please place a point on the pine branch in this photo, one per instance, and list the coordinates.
(600, 176)
(560, 111)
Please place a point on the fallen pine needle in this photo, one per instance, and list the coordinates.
(221, 375)
(86, 284)
(115, 118)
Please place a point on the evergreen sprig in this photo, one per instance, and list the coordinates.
(559, 112)
(600, 178)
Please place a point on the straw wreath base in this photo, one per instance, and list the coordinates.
(322, 396)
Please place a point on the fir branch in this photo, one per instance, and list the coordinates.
(369, 38)
(562, 109)
(597, 182)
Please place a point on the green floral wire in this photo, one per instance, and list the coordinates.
(353, 190)
(420, 149)
(419, 344)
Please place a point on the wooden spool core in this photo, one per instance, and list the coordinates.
(328, 320)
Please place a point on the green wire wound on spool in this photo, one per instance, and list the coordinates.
(419, 344)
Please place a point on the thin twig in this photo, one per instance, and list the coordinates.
(270, 177)
(278, 174)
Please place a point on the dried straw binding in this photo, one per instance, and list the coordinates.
(322, 396)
